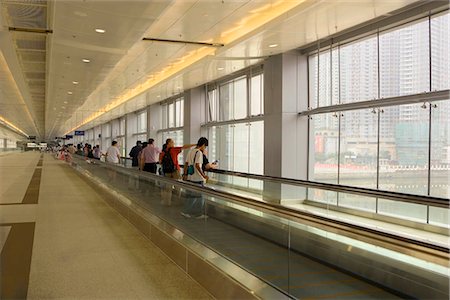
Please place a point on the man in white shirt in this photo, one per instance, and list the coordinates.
(194, 204)
(113, 153)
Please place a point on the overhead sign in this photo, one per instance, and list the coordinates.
(31, 137)
(79, 132)
(69, 136)
(31, 145)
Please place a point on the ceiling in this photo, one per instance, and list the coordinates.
(47, 90)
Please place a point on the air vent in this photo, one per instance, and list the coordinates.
(27, 16)
(32, 56)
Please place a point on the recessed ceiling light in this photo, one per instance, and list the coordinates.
(69, 92)
(273, 45)
(99, 30)
(158, 96)
(63, 107)
(220, 69)
(85, 60)
(75, 82)
(65, 102)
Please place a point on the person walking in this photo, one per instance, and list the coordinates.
(194, 204)
(134, 154)
(113, 153)
(171, 168)
(150, 157)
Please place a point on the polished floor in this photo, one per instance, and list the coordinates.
(59, 239)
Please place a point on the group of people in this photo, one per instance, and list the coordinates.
(146, 156)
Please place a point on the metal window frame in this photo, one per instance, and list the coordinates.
(405, 18)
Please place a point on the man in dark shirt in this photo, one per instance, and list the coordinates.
(134, 153)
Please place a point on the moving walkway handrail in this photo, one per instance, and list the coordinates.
(367, 192)
(434, 252)
(404, 197)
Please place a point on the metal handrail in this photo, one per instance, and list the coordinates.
(367, 192)
(424, 200)
(374, 235)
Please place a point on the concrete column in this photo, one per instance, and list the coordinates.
(285, 134)
(193, 113)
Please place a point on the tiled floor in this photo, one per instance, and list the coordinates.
(82, 248)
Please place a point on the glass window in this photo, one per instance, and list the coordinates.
(404, 60)
(257, 95)
(212, 105)
(179, 113)
(440, 52)
(226, 102)
(358, 63)
(313, 80)
(404, 132)
(440, 149)
(107, 130)
(240, 98)
(238, 147)
(324, 90)
(171, 115)
(122, 126)
(358, 148)
(324, 133)
(142, 122)
(256, 151)
(164, 122)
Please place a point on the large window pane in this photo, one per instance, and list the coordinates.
(171, 115)
(256, 156)
(142, 122)
(358, 148)
(359, 71)
(440, 52)
(404, 60)
(240, 99)
(324, 135)
(238, 147)
(226, 102)
(212, 105)
(241, 147)
(257, 95)
(440, 149)
(313, 80)
(404, 134)
(164, 116)
(324, 79)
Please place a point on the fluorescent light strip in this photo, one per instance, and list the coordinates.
(8, 72)
(12, 126)
(257, 18)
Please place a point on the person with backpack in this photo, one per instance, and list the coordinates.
(170, 167)
(134, 154)
(194, 204)
(169, 159)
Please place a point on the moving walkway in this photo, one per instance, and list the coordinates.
(278, 231)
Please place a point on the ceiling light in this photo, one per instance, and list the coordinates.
(65, 102)
(262, 15)
(63, 107)
(75, 82)
(85, 60)
(69, 92)
(220, 69)
(99, 30)
(273, 45)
